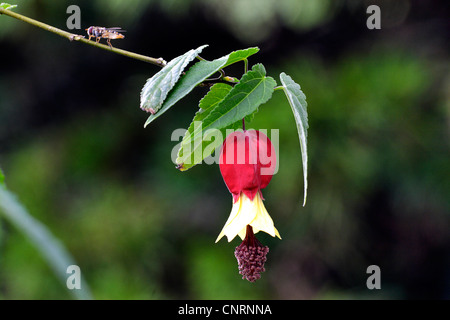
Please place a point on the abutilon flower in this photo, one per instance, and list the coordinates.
(247, 164)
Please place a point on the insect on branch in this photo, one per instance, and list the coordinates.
(76, 37)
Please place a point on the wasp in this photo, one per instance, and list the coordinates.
(107, 33)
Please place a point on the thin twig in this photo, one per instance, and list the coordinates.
(76, 37)
(245, 65)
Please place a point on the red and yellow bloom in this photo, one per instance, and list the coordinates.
(247, 164)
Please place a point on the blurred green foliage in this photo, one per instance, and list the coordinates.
(139, 229)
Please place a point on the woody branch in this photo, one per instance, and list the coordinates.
(76, 37)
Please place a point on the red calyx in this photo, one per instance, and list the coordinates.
(247, 162)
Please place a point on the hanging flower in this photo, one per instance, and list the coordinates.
(247, 164)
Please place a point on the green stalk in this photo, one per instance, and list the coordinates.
(51, 249)
(76, 37)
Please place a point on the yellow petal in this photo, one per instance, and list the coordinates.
(248, 212)
(262, 220)
(242, 213)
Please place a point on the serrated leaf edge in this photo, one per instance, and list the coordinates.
(159, 80)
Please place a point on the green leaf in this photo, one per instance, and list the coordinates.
(196, 75)
(157, 87)
(297, 101)
(240, 55)
(253, 90)
(7, 6)
(40, 236)
(241, 101)
(215, 95)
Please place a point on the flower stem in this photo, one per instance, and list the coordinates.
(71, 36)
(243, 124)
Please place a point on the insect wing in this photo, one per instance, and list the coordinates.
(115, 29)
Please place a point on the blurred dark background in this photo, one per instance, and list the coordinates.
(74, 150)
